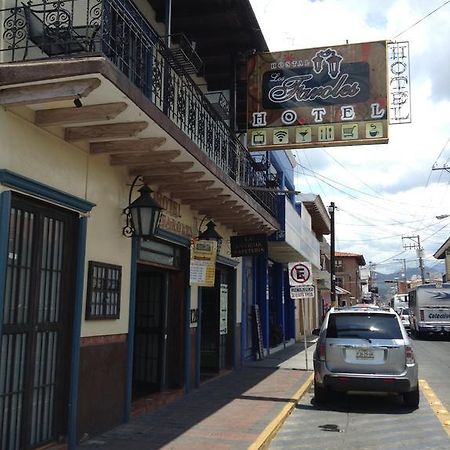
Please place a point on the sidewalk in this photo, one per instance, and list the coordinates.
(239, 410)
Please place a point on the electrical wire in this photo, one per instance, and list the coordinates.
(420, 20)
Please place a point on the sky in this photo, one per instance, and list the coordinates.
(387, 191)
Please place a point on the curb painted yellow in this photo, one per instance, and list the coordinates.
(267, 435)
(441, 413)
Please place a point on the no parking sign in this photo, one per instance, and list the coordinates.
(300, 273)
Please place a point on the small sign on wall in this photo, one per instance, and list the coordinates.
(248, 245)
(223, 309)
(203, 263)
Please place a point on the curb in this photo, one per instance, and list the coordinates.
(269, 432)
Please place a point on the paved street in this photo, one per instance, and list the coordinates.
(434, 359)
(362, 422)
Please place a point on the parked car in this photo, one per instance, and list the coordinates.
(404, 317)
(364, 349)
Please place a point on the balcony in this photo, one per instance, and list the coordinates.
(295, 241)
(139, 104)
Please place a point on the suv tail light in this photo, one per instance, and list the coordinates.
(409, 355)
(422, 315)
(322, 352)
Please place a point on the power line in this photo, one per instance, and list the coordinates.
(420, 20)
(324, 179)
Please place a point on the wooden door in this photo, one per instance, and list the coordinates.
(36, 326)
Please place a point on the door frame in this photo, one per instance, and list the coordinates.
(60, 198)
(170, 238)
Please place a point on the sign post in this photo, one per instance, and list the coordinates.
(300, 280)
(304, 334)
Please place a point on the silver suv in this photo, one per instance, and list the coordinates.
(364, 349)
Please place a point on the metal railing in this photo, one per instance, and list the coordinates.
(119, 31)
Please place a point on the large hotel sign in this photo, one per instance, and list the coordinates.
(318, 97)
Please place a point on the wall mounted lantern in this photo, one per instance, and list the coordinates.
(143, 214)
(210, 234)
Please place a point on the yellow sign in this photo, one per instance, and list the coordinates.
(203, 263)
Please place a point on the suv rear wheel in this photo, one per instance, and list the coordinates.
(320, 393)
(412, 398)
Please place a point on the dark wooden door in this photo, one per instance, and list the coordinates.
(150, 331)
(36, 326)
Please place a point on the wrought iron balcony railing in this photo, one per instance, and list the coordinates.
(119, 31)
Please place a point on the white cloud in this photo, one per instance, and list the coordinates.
(409, 193)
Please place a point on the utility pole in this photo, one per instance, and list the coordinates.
(372, 281)
(331, 209)
(404, 266)
(415, 243)
(445, 167)
(404, 278)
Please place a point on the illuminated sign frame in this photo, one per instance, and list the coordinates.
(318, 97)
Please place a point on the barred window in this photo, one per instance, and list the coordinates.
(103, 291)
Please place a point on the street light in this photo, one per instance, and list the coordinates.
(331, 209)
(210, 234)
(143, 214)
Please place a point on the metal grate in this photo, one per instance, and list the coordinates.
(103, 295)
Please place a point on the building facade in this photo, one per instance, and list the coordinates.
(98, 99)
(348, 277)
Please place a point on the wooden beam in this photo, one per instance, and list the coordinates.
(164, 179)
(144, 158)
(226, 206)
(104, 132)
(158, 169)
(199, 203)
(89, 113)
(207, 193)
(232, 221)
(48, 92)
(128, 145)
(181, 186)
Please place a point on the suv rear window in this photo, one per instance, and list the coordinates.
(363, 326)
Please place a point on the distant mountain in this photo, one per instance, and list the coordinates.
(381, 280)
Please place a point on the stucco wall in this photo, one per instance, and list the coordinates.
(39, 155)
(34, 153)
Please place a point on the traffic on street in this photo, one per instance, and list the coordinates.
(357, 421)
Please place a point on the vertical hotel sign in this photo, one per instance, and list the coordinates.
(399, 83)
(318, 97)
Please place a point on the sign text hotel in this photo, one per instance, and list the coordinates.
(318, 97)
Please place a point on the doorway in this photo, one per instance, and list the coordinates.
(158, 336)
(217, 325)
(37, 324)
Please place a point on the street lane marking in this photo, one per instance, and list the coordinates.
(436, 405)
(267, 435)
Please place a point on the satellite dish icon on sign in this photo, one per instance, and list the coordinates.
(281, 136)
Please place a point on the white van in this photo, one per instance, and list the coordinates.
(429, 309)
(399, 301)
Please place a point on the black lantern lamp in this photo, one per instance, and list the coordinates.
(143, 214)
(210, 234)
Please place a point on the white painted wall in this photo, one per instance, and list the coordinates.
(41, 156)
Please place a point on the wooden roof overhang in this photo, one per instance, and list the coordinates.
(118, 120)
(222, 30)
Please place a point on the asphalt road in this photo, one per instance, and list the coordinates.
(433, 355)
(369, 422)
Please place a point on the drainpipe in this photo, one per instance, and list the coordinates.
(168, 21)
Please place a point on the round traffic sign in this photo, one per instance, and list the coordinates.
(300, 273)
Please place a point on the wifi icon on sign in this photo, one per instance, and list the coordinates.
(281, 136)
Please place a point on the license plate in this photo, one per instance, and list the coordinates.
(363, 353)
